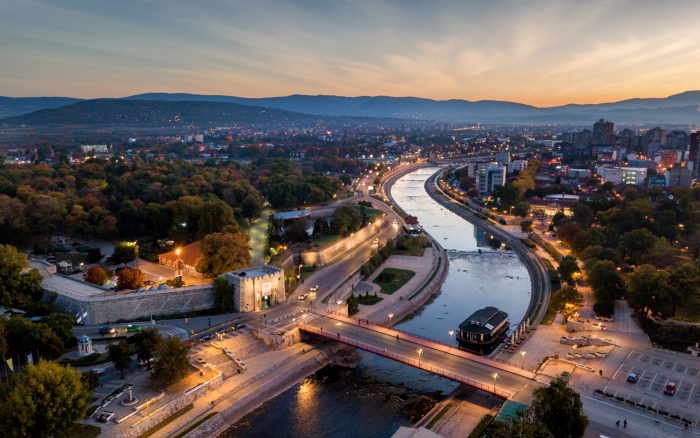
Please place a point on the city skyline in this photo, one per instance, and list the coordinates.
(539, 53)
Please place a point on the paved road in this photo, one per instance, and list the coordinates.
(258, 234)
(477, 371)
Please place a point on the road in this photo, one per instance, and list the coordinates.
(258, 234)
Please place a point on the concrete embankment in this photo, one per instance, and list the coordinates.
(539, 277)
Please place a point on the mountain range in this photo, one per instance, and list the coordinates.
(676, 109)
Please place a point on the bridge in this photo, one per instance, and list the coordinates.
(429, 355)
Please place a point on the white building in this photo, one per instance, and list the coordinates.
(611, 174)
(516, 165)
(256, 288)
(491, 176)
(579, 173)
(634, 175)
(88, 148)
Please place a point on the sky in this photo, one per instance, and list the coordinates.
(542, 53)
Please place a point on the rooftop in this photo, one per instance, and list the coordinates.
(188, 254)
(484, 320)
(296, 214)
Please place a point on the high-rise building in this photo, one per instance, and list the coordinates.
(679, 176)
(489, 177)
(626, 138)
(603, 132)
(692, 153)
(656, 134)
(668, 159)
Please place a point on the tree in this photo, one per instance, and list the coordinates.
(527, 227)
(521, 209)
(16, 287)
(61, 324)
(223, 294)
(214, 215)
(3, 340)
(130, 278)
(603, 274)
(125, 252)
(98, 275)
(119, 355)
(558, 217)
(568, 269)
(648, 291)
(560, 409)
(297, 231)
(172, 363)
(684, 278)
(523, 425)
(147, 342)
(24, 336)
(345, 179)
(320, 225)
(251, 207)
(13, 222)
(635, 242)
(584, 215)
(353, 304)
(44, 400)
(221, 253)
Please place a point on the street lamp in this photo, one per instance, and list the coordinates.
(420, 351)
(523, 353)
(495, 376)
(451, 332)
(391, 315)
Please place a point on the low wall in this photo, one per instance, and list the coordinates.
(279, 341)
(343, 291)
(166, 411)
(134, 305)
(327, 254)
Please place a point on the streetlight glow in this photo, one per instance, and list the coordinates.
(451, 332)
(420, 351)
(523, 353)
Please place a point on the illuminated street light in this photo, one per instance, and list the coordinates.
(391, 315)
(420, 351)
(451, 332)
(495, 376)
(523, 353)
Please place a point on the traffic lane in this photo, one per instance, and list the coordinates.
(477, 372)
(93, 331)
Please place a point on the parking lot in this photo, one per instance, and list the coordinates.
(654, 371)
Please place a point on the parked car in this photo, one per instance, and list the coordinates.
(238, 326)
(205, 338)
(143, 363)
(314, 288)
(222, 331)
(201, 360)
(632, 378)
(302, 297)
(107, 330)
(670, 389)
(133, 328)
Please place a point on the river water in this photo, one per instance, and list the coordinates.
(375, 398)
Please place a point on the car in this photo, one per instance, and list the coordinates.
(107, 330)
(133, 328)
(142, 363)
(314, 288)
(201, 360)
(222, 331)
(302, 297)
(239, 326)
(188, 344)
(632, 378)
(205, 338)
(376, 242)
(670, 389)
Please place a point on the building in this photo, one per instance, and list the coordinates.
(679, 176)
(503, 157)
(578, 139)
(611, 174)
(579, 173)
(90, 148)
(553, 205)
(483, 327)
(651, 147)
(656, 134)
(692, 153)
(516, 165)
(603, 132)
(668, 159)
(491, 176)
(186, 255)
(656, 181)
(256, 288)
(634, 175)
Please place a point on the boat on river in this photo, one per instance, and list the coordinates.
(483, 330)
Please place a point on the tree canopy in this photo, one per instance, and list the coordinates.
(172, 363)
(560, 409)
(16, 287)
(220, 253)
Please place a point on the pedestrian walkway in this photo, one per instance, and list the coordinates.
(258, 237)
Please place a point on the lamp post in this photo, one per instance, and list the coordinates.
(523, 353)
(178, 274)
(420, 351)
(451, 332)
(391, 315)
(495, 376)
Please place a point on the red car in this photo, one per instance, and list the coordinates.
(670, 389)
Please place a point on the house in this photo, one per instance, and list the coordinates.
(186, 255)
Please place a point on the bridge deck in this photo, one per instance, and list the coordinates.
(436, 358)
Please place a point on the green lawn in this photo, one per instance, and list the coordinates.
(400, 279)
(368, 300)
(371, 212)
(326, 239)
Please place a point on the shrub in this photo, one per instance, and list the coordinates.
(386, 277)
(604, 308)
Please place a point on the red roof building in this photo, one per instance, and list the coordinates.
(188, 256)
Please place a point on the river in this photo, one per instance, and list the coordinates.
(374, 399)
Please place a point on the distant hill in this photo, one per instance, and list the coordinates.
(173, 114)
(679, 108)
(16, 106)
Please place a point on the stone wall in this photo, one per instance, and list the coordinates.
(166, 411)
(344, 290)
(248, 287)
(134, 305)
(328, 253)
(279, 341)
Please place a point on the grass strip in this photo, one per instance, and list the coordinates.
(439, 416)
(402, 275)
(429, 281)
(167, 421)
(483, 424)
(196, 425)
(530, 244)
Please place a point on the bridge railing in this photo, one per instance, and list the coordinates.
(397, 357)
(368, 323)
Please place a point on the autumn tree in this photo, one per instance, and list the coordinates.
(172, 363)
(221, 253)
(119, 355)
(17, 287)
(125, 252)
(98, 275)
(130, 278)
(46, 399)
(13, 222)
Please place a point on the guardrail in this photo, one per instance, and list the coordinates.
(399, 358)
